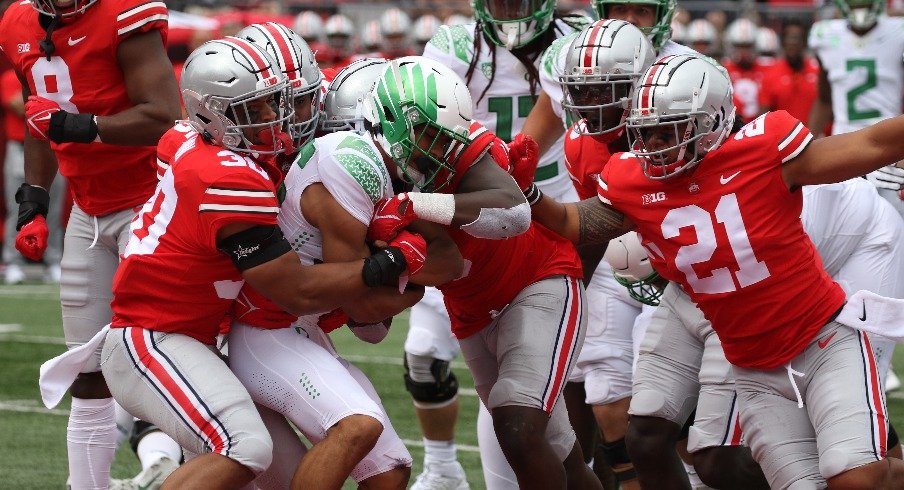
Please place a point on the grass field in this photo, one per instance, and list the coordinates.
(32, 438)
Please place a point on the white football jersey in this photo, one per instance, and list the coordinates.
(351, 169)
(866, 73)
(505, 106)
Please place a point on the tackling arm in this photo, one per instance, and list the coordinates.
(344, 241)
(489, 204)
(583, 223)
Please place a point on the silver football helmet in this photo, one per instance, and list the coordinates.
(632, 269)
(684, 103)
(298, 64)
(395, 26)
(343, 104)
(309, 25)
(225, 84)
(602, 65)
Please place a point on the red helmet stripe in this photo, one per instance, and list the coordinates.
(254, 56)
(284, 50)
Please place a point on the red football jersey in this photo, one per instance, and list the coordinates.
(746, 85)
(585, 157)
(83, 75)
(730, 233)
(172, 277)
(11, 89)
(497, 270)
(788, 90)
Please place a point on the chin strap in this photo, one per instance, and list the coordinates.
(46, 44)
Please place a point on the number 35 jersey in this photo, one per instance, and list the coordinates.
(730, 233)
(84, 76)
(865, 72)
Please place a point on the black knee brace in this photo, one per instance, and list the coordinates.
(616, 454)
(892, 437)
(442, 389)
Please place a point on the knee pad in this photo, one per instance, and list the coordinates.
(253, 452)
(139, 430)
(648, 403)
(892, 440)
(431, 382)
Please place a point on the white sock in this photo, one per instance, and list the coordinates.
(156, 445)
(124, 423)
(439, 452)
(91, 442)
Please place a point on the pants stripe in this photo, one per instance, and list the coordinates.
(874, 397)
(162, 374)
(565, 343)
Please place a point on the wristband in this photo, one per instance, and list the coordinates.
(533, 194)
(33, 200)
(384, 267)
(438, 208)
(66, 127)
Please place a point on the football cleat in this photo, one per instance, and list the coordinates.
(446, 476)
(150, 479)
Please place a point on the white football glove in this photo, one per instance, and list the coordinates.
(888, 177)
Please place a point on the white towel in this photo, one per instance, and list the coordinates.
(57, 374)
(875, 314)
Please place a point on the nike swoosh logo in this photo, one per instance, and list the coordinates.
(73, 42)
(863, 318)
(824, 342)
(724, 180)
(150, 483)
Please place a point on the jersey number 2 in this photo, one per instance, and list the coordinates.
(750, 270)
(867, 85)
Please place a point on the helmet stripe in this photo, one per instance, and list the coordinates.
(286, 53)
(590, 44)
(251, 53)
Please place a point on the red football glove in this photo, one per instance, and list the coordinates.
(414, 248)
(391, 216)
(37, 116)
(524, 155)
(31, 241)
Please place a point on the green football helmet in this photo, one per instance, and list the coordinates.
(419, 111)
(660, 31)
(513, 23)
(861, 14)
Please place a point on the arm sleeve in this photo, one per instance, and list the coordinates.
(793, 135)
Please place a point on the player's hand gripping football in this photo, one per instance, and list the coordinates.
(392, 216)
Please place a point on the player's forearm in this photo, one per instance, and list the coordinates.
(381, 303)
(324, 287)
(542, 124)
(558, 217)
(40, 162)
(444, 264)
(142, 125)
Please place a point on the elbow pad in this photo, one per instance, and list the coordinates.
(498, 223)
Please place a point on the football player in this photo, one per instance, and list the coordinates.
(330, 192)
(684, 179)
(99, 92)
(744, 68)
(499, 57)
(861, 80)
(209, 227)
(518, 309)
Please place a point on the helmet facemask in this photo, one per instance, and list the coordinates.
(647, 289)
(426, 158)
(514, 23)
(601, 105)
(861, 14)
(305, 96)
(659, 32)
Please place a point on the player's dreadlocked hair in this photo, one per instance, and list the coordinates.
(526, 54)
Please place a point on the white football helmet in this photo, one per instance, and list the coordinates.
(419, 102)
(424, 28)
(298, 64)
(685, 97)
(602, 64)
(222, 81)
(513, 23)
(679, 32)
(339, 31)
(702, 32)
(395, 25)
(861, 14)
(309, 25)
(632, 269)
(767, 42)
(741, 32)
(343, 105)
(371, 39)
